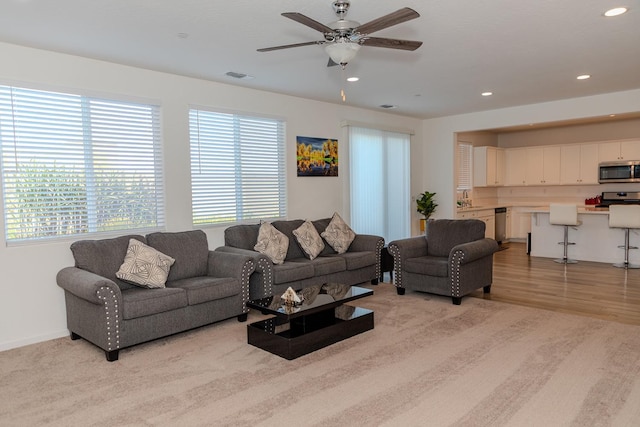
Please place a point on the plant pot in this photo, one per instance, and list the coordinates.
(423, 225)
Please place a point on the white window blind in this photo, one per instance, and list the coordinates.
(380, 182)
(465, 164)
(73, 165)
(237, 167)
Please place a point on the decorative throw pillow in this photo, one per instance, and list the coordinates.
(272, 243)
(338, 234)
(145, 266)
(309, 239)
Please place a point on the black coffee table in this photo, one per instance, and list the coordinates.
(320, 320)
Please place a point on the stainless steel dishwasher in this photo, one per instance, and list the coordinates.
(501, 224)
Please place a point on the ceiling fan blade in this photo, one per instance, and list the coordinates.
(287, 46)
(397, 17)
(305, 20)
(391, 43)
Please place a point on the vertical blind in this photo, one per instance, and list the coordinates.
(73, 165)
(380, 182)
(237, 167)
(465, 164)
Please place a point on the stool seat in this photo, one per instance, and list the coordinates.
(625, 217)
(567, 216)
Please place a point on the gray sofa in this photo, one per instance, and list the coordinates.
(202, 287)
(361, 262)
(453, 258)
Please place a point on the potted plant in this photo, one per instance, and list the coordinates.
(426, 206)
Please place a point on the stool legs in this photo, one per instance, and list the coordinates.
(626, 247)
(565, 259)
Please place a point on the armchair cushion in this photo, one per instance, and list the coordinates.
(442, 235)
(428, 265)
(145, 266)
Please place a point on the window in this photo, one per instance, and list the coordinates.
(237, 168)
(380, 183)
(73, 165)
(465, 162)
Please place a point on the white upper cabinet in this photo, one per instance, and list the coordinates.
(619, 150)
(543, 165)
(516, 166)
(488, 166)
(579, 164)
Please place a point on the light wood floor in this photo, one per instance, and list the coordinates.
(586, 288)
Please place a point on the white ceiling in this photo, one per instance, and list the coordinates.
(524, 52)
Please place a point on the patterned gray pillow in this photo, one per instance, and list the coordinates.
(144, 266)
(309, 239)
(272, 243)
(338, 234)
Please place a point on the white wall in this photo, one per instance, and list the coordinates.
(31, 304)
(439, 134)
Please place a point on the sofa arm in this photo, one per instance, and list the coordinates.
(86, 285)
(408, 248)
(366, 242)
(227, 264)
(262, 262)
(471, 251)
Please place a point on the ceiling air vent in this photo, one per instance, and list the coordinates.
(236, 75)
(388, 106)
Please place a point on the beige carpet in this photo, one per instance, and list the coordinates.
(426, 363)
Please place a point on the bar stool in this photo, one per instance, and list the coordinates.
(567, 216)
(627, 217)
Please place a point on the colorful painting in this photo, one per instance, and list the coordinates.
(317, 156)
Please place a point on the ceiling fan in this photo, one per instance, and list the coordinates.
(343, 38)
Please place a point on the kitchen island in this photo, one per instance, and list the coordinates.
(594, 240)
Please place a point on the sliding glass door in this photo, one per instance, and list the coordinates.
(380, 182)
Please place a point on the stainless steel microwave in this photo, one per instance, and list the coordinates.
(620, 171)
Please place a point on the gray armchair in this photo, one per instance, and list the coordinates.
(453, 258)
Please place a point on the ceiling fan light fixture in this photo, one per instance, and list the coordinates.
(341, 52)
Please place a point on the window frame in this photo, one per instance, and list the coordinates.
(112, 126)
(245, 206)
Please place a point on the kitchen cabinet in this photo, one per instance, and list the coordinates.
(515, 166)
(486, 215)
(543, 165)
(619, 150)
(508, 224)
(488, 166)
(579, 164)
(520, 222)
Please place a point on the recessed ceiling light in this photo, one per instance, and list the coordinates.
(583, 77)
(353, 79)
(487, 93)
(615, 11)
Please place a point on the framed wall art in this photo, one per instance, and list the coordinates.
(316, 156)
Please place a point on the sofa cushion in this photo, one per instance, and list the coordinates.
(338, 234)
(204, 288)
(272, 243)
(428, 266)
(287, 227)
(444, 234)
(243, 236)
(309, 240)
(357, 260)
(189, 248)
(145, 266)
(103, 257)
(291, 271)
(325, 265)
(139, 302)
